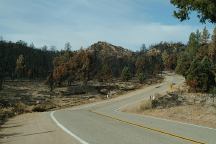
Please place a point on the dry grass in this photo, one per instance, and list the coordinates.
(145, 105)
(20, 97)
(195, 114)
(138, 108)
(6, 113)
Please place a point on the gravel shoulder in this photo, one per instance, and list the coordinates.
(33, 128)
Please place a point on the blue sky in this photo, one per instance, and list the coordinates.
(127, 23)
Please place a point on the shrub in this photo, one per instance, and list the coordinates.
(145, 105)
(213, 92)
(39, 108)
(19, 108)
(141, 77)
(5, 114)
(43, 107)
(193, 84)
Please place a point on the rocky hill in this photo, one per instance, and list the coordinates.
(107, 49)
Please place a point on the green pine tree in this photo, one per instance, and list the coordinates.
(126, 74)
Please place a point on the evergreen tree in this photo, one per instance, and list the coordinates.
(212, 47)
(67, 46)
(193, 44)
(205, 9)
(105, 73)
(50, 81)
(22, 43)
(143, 48)
(32, 45)
(1, 78)
(141, 77)
(37, 62)
(214, 36)
(192, 75)
(183, 63)
(53, 48)
(200, 76)
(198, 38)
(165, 58)
(20, 66)
(126, 74)
(140, 64)
(205, 36)
(206, 76)
(1, 38)
(44, 48)
(85, 64)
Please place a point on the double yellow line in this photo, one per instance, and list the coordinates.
(149, 128)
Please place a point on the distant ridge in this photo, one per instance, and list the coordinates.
(107, 49)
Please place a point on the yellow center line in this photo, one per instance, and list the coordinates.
(149, 128)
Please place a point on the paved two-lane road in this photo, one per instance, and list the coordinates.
(104, 123)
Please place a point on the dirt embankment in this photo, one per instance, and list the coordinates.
(185, 107)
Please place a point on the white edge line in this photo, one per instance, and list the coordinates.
(124, 106)
(119, 110)
(194, 125)
(66, 130)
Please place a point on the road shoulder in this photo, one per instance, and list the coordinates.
(33, 128)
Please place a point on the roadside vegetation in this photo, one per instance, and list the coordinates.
(41, 79)
(37, 80)
(180, 105)
(101, 70)
(194, 102)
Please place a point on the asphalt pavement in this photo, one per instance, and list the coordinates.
(105, 123)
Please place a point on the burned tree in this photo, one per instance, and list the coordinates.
(50, 82)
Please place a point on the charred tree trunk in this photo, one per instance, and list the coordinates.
(1, 84)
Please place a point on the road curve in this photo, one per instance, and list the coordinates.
(104, 123)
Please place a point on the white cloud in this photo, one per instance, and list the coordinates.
(83, 22)
(127, 35)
